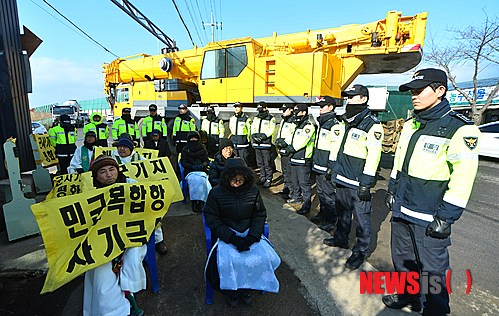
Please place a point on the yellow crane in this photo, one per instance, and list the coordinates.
(279, 69)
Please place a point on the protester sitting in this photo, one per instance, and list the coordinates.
(209, 143)
(109, 288)
(84, 155)
(195, 161)
(218, 164)
(125, 154)
(236, 215)
(158, 143)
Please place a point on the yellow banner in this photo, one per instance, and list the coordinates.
(45, 150)
(144, 152)
(84, 231)
(142, 170)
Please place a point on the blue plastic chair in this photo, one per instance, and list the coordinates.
(183, 182)
(207, 233)
(150, 260)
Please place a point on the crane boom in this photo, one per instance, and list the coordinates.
(280, 69)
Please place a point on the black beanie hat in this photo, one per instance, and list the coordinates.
(224, 142)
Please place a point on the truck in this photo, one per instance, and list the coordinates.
(293, 68)
(69, 107)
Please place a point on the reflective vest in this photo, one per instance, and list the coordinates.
(151, 123)
(240, 130)
(64, 142)
(266, 128)
(302, 141)
(286, 129)
(181, 129)
(100, 129)
(215, 129)
(120, 126)
(327, 142)
(435, 166)
(360, 151)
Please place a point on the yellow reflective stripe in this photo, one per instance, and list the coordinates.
(418, 215)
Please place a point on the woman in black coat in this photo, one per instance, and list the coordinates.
(234, 208)
(194, 157)
(218, 164)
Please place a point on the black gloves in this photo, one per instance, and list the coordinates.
(80, 170)
(257, 139)
(364, 193)
(281, 143)
(242, 244)
(389, 200)
(329, 174)
(439, 228)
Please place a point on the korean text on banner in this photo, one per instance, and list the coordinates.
(83, 231)
(144, 152)
(46, 152)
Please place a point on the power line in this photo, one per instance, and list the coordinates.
(183, 22)
(193, 22)
(79, 29)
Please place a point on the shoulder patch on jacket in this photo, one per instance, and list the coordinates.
(470, 141)
(461, 118)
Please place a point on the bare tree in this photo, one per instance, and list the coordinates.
(474, 45)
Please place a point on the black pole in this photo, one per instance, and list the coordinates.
(15, 120)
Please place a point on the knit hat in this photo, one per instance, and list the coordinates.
(225, 142)
(155, 132)
(90, 133)
(125, 142)
(102, 161)
(235, 162)
(193, 135)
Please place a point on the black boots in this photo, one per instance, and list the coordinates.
(197, 206)
(399, 301)
(305, 208)
(355, 260)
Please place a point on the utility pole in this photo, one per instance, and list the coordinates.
(15, 119)
(213, 25)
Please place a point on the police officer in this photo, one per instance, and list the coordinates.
(212, 125)
(63, 137)
(286, 130)
(100, 128)
(240, 130)
(327, 143)
(300, 150)
(152, 122)
(431, 181)
(262, 130)
(125, 124)
(354, 174)
(182, 125)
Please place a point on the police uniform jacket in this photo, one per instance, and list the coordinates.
(286, 129)
(435, 166)
(327, 142)
(240, 129)
(360, 151)
(100, 128)
(121, 126)
(63, 137)
(151, 123)
(182, 125)
(214, 128)
(302, 141)
(263, 127)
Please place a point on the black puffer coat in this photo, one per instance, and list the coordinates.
(194, 157)
(216, 168)
(238, 208)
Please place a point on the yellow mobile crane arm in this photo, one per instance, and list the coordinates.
(282, 68)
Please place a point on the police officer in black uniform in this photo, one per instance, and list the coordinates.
(354, 174)
(327, 143)
(432, 177)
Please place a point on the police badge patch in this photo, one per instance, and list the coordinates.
(337, 132)
(377, 135)
(471, 142)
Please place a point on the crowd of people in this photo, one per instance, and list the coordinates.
(340, 153)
